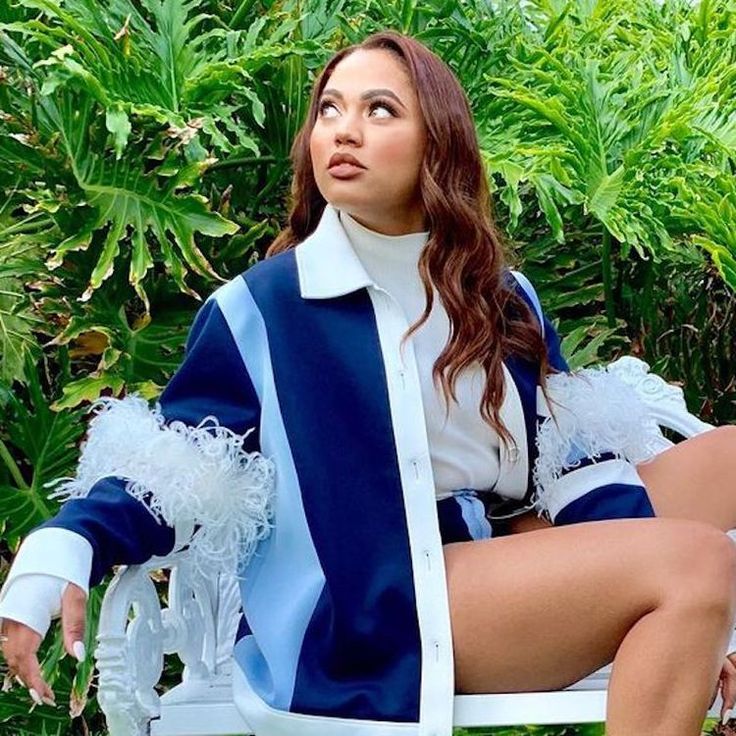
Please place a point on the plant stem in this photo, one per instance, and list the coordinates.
(12, 466)
(608, 278)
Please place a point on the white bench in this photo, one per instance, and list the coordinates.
(199, 626)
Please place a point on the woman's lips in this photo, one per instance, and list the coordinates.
(345, 170)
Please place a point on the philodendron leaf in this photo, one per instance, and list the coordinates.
(117, 122)
(88, 389)
(603, 198)
(16, 330)
(588, 354)
(41, 446)
(22, 509)
(573, 339)
(125, 199)
(722, 257)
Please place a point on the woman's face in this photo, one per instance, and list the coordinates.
(369, 110)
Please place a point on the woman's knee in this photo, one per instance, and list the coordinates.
(726, 434)
(700, 565)
(718, 443)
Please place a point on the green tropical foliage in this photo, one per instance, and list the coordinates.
(144, 152)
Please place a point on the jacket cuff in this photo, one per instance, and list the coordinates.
(577, 483)
(47, 560)
(53, 551)
(33, 600)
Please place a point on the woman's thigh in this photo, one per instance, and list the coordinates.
(543, 609)
(695, 479)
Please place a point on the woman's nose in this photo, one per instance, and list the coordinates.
(348, 130)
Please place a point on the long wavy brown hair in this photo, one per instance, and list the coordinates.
(464, 255)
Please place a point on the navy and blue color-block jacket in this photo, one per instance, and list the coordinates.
(347, 625)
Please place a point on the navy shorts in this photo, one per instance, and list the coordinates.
(462, 517)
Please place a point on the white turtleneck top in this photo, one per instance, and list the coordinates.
(464, 449)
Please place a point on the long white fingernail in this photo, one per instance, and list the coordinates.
(49, 701)
(726, 717)
(79, 651)
(35, 697)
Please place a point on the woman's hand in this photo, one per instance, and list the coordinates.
(727, 686)
(20, 644)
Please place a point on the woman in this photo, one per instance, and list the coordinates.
(381, 591)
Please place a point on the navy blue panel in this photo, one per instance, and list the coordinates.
(551, 338)
(452, 525)
(554, 353)
(526, 377)
(613, 501)
(212, 380)
(243, 629)
(120, 528)
(361, 651)
(525, 374)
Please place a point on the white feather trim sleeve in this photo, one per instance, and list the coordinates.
(198, 480)
(592, 418)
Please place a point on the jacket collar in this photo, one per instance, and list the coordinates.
(326, 261)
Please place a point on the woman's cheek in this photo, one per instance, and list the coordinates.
(403, 153)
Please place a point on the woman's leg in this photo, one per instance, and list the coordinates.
(695, 479)
(541, 610)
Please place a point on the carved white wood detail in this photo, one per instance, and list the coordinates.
(200, 623)
(666, 401)
(198, 626)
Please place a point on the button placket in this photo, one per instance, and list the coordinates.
(416, 469)
(428, 559)
(402, 378)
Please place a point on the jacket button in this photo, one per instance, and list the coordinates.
(514, 454)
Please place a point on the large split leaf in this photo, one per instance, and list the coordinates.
(124, 199)
(137, 357)
(16, 330)
(38, 446)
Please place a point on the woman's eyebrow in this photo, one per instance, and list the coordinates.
(367, 95)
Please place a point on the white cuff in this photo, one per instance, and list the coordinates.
(33, 600)
(53, 551)
(577, 483)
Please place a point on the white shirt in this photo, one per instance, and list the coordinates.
(464, 449)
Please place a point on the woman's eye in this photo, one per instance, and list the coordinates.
(384, 106)
(323, 106)
(326, 105)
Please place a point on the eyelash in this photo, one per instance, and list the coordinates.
(373, 105)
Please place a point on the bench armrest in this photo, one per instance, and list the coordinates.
(198, 626)
(665, 400)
